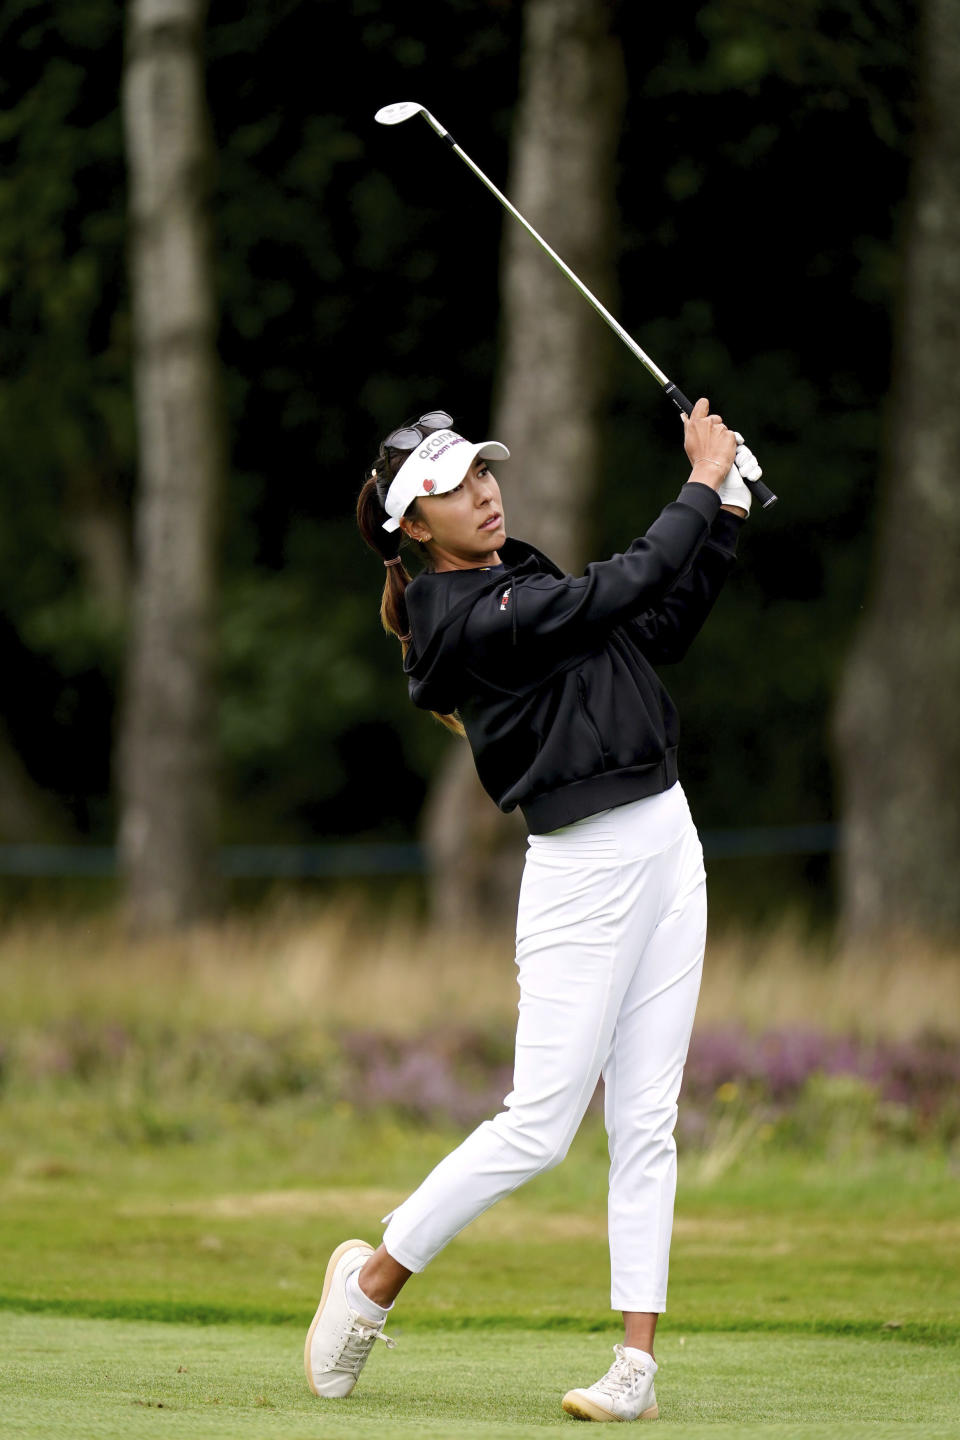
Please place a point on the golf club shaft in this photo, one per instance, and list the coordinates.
(760, 492)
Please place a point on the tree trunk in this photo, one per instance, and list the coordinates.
(167, 748)
(898, 726)
(552, 383)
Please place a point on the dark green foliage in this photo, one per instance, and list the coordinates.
(65, 424)
(763, 165)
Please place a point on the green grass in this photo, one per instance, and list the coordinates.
(166, 1211)
(806, 1296)
(98, 1220)
(132, 1379)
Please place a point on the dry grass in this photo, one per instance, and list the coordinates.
(291, 964)
(780, 978)
(337, 966)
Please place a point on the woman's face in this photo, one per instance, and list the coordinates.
(463, 527)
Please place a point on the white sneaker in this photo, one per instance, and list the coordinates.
(624, 1393)
(340, 1339)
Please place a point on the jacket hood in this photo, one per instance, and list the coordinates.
(438, 607)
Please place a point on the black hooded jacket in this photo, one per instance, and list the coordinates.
(552, 674)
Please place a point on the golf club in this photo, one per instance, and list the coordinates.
(404, 110)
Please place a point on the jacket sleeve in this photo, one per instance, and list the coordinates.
(667, 630)
(574, 610)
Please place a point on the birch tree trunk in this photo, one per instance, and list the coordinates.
(552, 384)
(898, 719)
(167, 749)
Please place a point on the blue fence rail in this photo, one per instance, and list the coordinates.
(306, 862)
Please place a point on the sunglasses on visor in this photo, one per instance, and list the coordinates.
(408, 437)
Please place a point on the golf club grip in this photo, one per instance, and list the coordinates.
(763, 495)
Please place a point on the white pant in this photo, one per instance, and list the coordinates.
(610, 939)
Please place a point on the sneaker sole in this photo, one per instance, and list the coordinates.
(581, 1407)
(332, 1264)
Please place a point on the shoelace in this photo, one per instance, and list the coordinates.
(357, 1345)
(622, 1375)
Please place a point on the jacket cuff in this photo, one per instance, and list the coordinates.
(700, 497)
(725, 530)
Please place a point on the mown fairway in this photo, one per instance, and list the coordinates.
(807, 1296)
(109, 1378)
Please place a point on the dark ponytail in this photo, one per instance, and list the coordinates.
(387, 544)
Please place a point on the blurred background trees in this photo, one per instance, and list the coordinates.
(899, 718)
(553, 382)
(167, 750)
(758, 208)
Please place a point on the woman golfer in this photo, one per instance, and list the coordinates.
(551, 678)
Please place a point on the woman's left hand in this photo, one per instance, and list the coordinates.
(733, 493)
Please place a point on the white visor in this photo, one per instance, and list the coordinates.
(438, 465)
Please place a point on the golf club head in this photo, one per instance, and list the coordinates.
(396, 114)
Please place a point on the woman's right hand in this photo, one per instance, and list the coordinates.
(710, 446)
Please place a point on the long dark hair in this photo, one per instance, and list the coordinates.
(388, 545)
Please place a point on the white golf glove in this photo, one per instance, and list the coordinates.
(744, 467)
